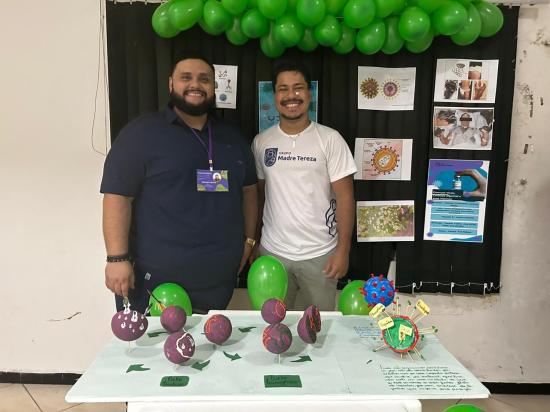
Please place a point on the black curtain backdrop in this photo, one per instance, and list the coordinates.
(140, 63)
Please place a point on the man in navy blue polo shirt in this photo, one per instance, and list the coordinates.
(180, 198)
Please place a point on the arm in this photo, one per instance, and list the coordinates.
(117, 215)
(261, 202)
(338, 262)
(250, 212)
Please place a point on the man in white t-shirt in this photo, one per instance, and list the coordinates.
(305, 180)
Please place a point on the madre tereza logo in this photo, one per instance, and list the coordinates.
(271, 156)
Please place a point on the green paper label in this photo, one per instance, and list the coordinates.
(174, 381)
(282, 381)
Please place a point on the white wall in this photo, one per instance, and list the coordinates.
(51, 249)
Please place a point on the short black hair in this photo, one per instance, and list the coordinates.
(290, 66)
(191, 56)
(466, 116)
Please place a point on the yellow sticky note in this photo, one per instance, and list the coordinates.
(376, 311)
(422, 307)
(385, 323)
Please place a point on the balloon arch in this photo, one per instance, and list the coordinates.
(369, 25)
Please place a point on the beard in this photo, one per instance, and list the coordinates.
(295, 116)
(192, 109)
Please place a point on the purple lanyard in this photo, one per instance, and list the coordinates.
(209, 148)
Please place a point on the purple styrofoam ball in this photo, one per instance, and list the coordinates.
(277, 338)
(273, 311)
(129, 325)
(305, 331)
(179, 347)
(314, 317)
(173, 318)
(217, 329)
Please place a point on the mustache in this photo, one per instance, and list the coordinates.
(292, 101)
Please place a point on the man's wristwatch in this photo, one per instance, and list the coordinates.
(249, 241)
(119, 258)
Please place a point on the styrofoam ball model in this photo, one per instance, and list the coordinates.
(273, 311)
(277, 338)
(129, 325)
(306, 331)
(173, 318)
(378, 289)
(313, 315)
(217, 329)
(179, 347)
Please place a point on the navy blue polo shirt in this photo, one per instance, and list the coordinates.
(177, 233)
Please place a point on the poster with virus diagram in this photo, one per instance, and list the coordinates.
(384, 88)
(226, 86)
(383, 159)
(466, 81)
(385, 221)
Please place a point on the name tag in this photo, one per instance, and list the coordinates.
(212, 180)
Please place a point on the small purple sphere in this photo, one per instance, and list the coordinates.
(217, 329)
(305, 331)
(314, 317)
(129, 325)
(173, 318)
(277, 338)
(273, 311)
(179, 347)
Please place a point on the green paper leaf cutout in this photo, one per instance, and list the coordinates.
(200, 366)
(249, 328)
(232, 357)
(303, 358)
(138, 367)
(155, 334)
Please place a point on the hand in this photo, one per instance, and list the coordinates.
(255, 254)
(119, 277)
(479, 89)
(481, 189)
(247, 251)
(337, 264)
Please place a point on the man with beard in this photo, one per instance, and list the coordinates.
(305, 188)
(180, 198)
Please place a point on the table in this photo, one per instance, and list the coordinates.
(339, 372)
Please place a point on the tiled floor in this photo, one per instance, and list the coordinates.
(50, 398)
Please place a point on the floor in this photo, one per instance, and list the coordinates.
(50, 398)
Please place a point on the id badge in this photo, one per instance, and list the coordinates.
(212, 180)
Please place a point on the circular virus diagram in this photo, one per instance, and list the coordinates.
(369, 88)
(390, 89)
(385, 160)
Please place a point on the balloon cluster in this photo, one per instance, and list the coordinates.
(369, 25)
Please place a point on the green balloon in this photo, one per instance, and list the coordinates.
(370, 39)
(254, 24)
(185, 13)
(234, 7)
(207, 29)
(288, 30)
(329, 31)
(272, 8)
(385, 7)
(170, 294)
(470, 32)
(216, 17)
(335, 7)
(352, 301)
(161, 22)
(308, 42)
(393, 42)
(429, 6)
(267, 277)
(347, 41)
(401, 4)
(359, 13)
(310, 12)
(414, 24)
(235, 33)
(463, 407)
(491, 18)
(252, 4)
(450, 18)
(422, 44)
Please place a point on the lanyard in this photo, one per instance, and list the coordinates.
(209, 148)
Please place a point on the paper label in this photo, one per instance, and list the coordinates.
(422, 307)
(385, 323)
(282, 381)
(174, 381)
(377, 310)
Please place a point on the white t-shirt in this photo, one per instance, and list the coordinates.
(299, 219)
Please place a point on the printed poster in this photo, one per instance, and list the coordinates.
(383, 159)
(385, 88)
(461, 80)
(267, 113)
(455, 200)
(466, 128)
(226, 86)
(385, 221)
